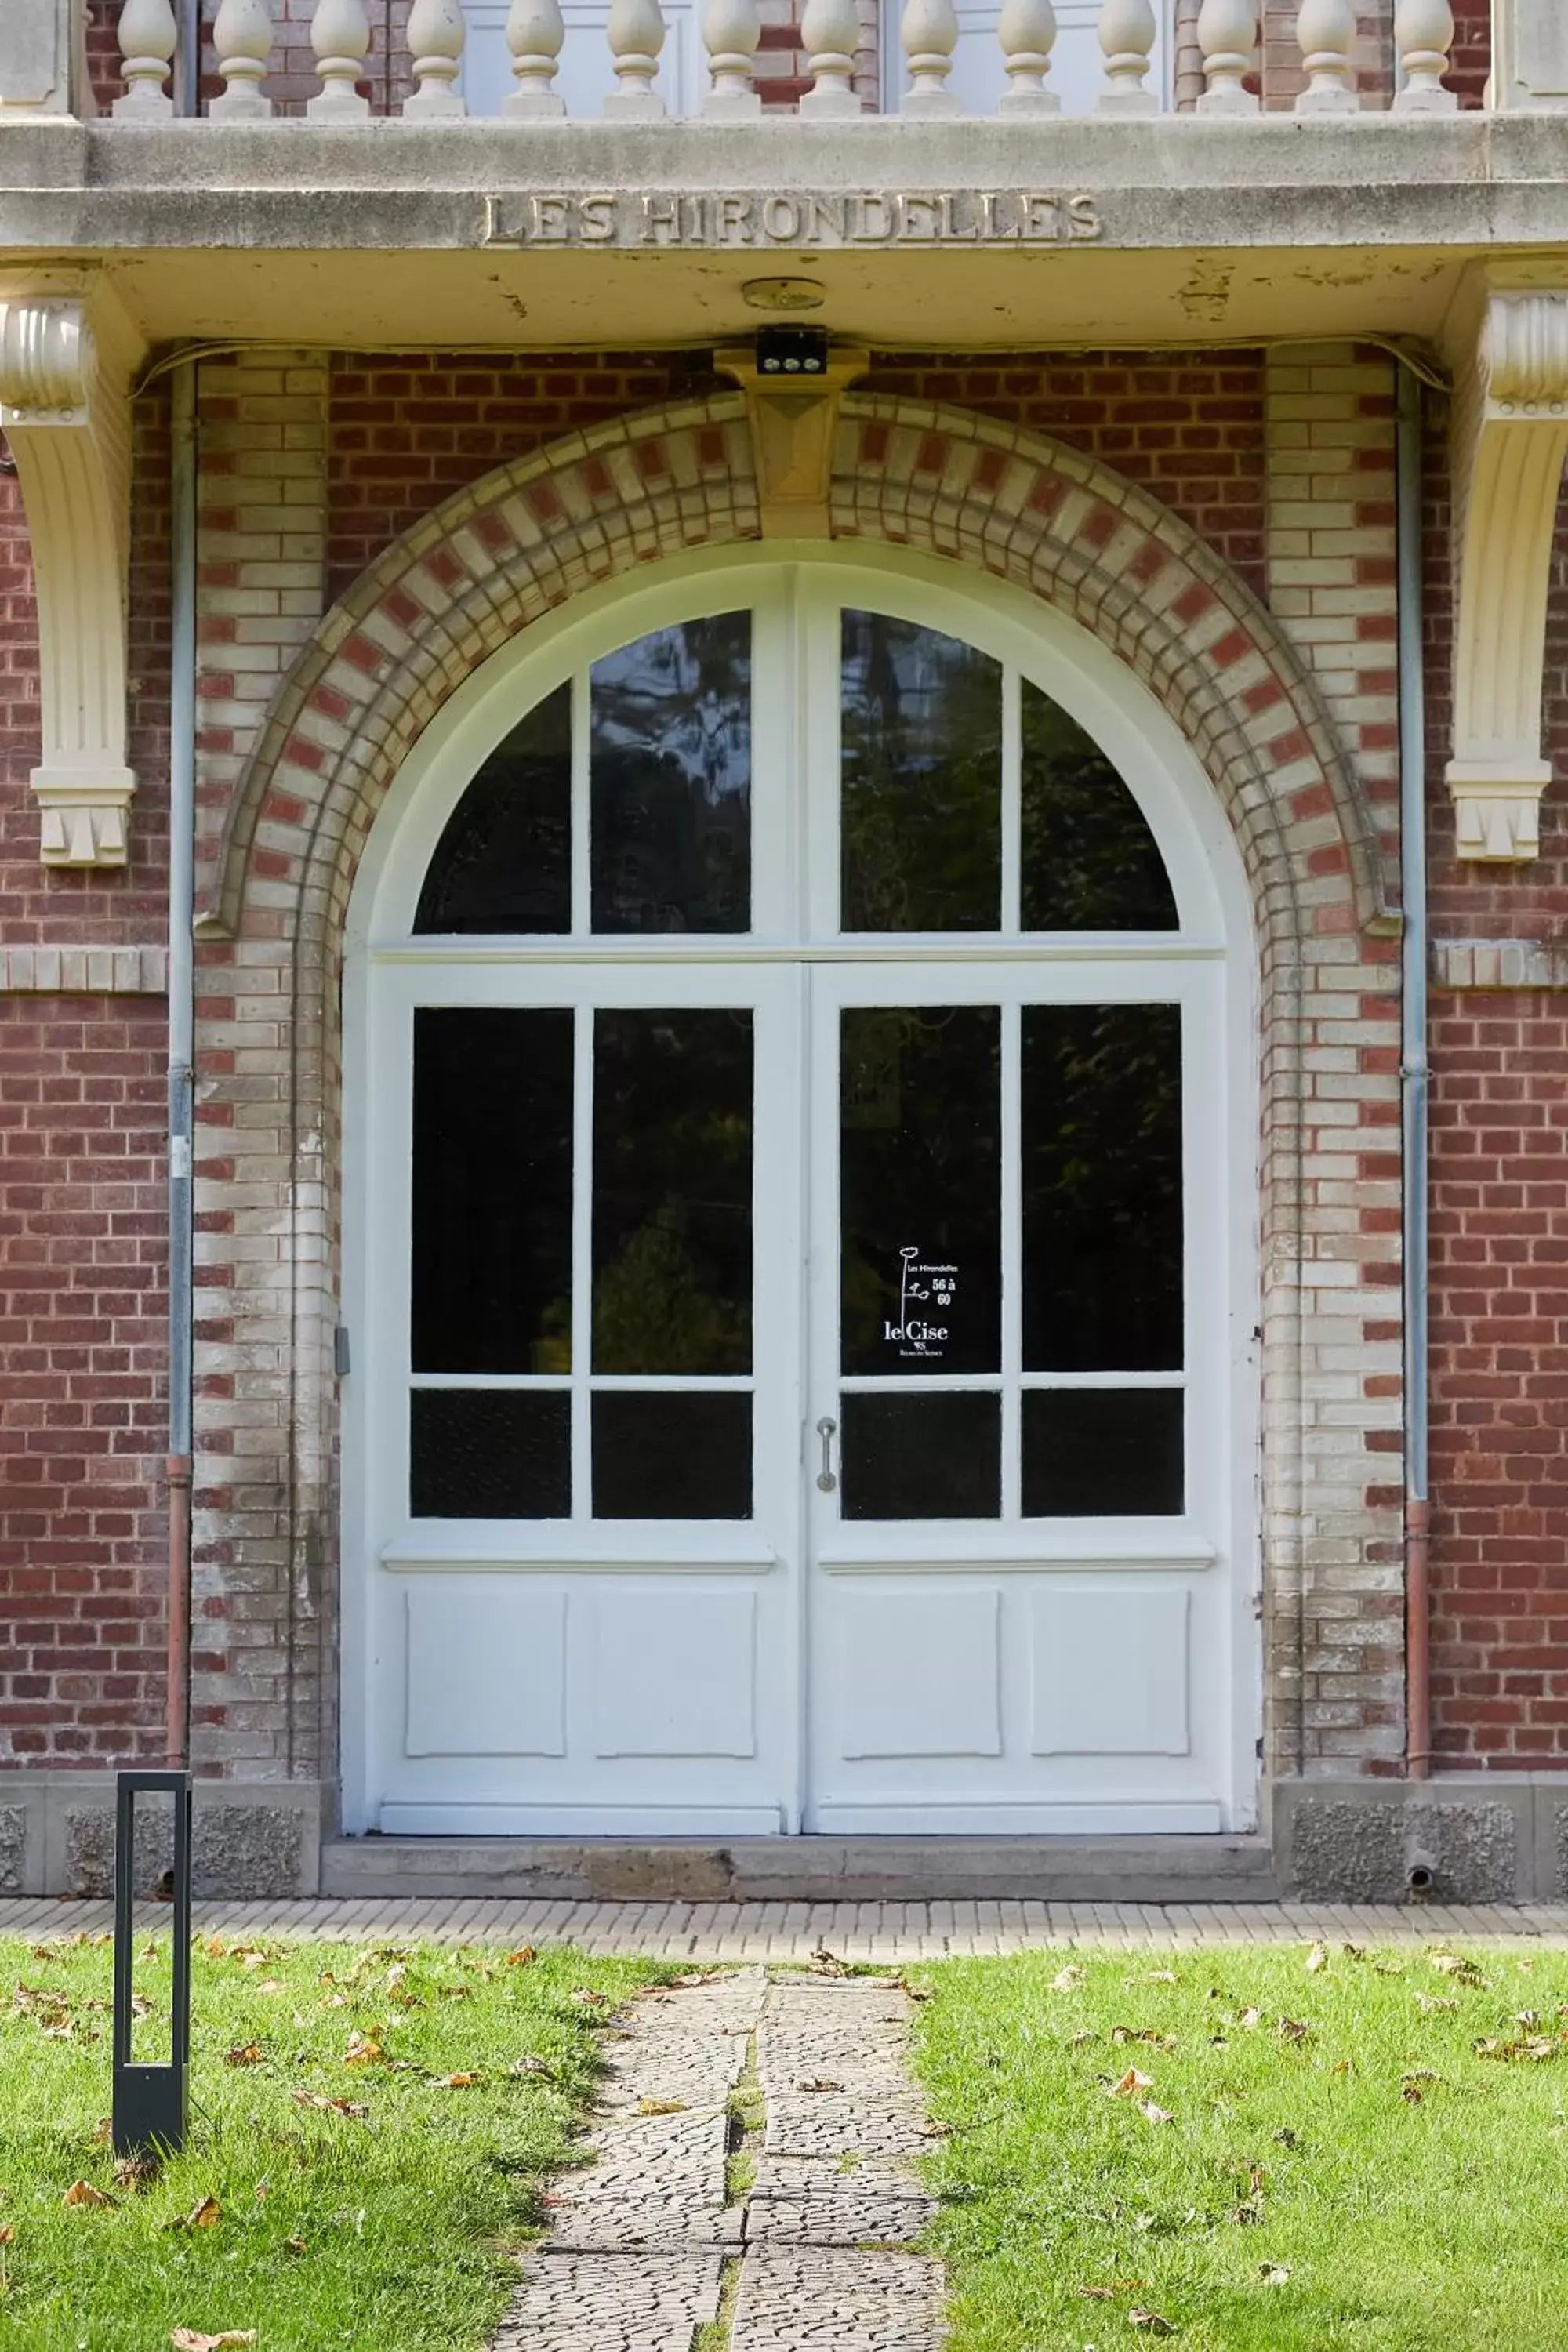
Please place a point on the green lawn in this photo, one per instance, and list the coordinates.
(337, 2189)
(1370, 2151)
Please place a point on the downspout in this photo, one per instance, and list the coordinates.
(1413, 1080)
(182, 1016)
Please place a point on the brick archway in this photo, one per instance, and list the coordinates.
(460, 585)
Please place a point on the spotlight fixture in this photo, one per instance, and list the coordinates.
(791, 350)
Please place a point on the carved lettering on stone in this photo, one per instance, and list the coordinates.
(792, 218)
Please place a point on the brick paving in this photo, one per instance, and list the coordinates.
(852, 1931)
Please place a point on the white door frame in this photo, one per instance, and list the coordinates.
(794, 871)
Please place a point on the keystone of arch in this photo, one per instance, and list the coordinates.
(492, 558)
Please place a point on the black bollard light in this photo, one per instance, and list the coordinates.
(150, 2102)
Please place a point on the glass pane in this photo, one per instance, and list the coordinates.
(664, 1456)
(926, 1456)
(1090, 862)
(1095, 1453)
(504, 862)
(921, 1203)
(921, 781)
(670, 769)
(489, 1453)
(672, 1191)
(1103, 1188)
(493, 1191)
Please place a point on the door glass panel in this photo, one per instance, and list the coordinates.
(489, 1453)
(493, 1191)
(1088, 861)
(672, 1453)
(1103, 1188)
(1094, 1452)
(504, 862)
(670, 770)
(920, 779)
(921, 1205)
(672, 1191)
(925, 1455)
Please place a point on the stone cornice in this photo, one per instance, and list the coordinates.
(64, 412)
(1511, 440)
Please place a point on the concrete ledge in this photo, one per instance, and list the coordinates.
(1478, 1837)
(252, 1841)
(806, 1869)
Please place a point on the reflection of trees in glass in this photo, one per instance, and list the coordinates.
(672, 1191)
(670, 766)
(922, 780)
(923, 1172)
(504, 861)
(1090, 862)
(1102, 1187)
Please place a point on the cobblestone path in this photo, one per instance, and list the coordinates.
(752, 2179)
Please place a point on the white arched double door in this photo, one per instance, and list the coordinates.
(796, 1279)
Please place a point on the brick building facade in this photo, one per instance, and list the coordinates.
(1280, 498)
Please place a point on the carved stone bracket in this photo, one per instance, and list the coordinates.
(64, 412)
(1511, 439)
(791, 420)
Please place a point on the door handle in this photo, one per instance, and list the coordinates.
(827, 1430)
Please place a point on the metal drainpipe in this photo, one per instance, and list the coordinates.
(1414, 1081)
(182, 862)
(188, 82)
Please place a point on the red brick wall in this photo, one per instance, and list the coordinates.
(407, 431)
(1471, 54)
(82, 1303)
(1499, 1254)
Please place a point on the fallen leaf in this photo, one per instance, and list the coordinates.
(1318, 1957)
(1411, 2094)
(1463, 1971)
(1340, 2066)
(363, 2051)
(531, 2067)
(1291, 2029)
(207, 2215)
(592, 2000)
(1099, 2294)
(6, 2234)
(244, 2054)
(455, 2081)
(1153, 2320)
(270, 1984)
(662, 2106)
(829, 1963)
(520, 1958)
(817, 2083)
(1250, 2018)
(1435, 2004)
(1159, 1975)
(215, 1947)
(335, 2107)
(191, 2339)
(136, 2171)
(1286, 2138)
(82, 2192)
(396, 1976)
(1274, 2273)
(1153, 2114)
(1151, 2033)
(1068, 1980)
(1132, 2081)
(1085, 2033)
(295, 2245)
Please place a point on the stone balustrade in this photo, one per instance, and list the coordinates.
(1530, 46)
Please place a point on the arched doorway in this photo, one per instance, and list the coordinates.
(798, 1209)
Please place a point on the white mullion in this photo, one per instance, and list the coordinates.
(1011, 1254)
(1011, 802)
(582, 1257)
(581, 891)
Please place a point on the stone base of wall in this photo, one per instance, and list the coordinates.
(1491, 1837)
(1484, 1838)
(250, 1841)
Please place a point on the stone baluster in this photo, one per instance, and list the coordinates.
(830, 30)
(1027, 32)
(1227, 35)
(930, 35)
(1325, 30)
(436, 32)
(731, 30)
(636, 31)
(148, 37)
(1422, 37)
(340, 35)
(242, 42)
(535, 34)
(1126, 35)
